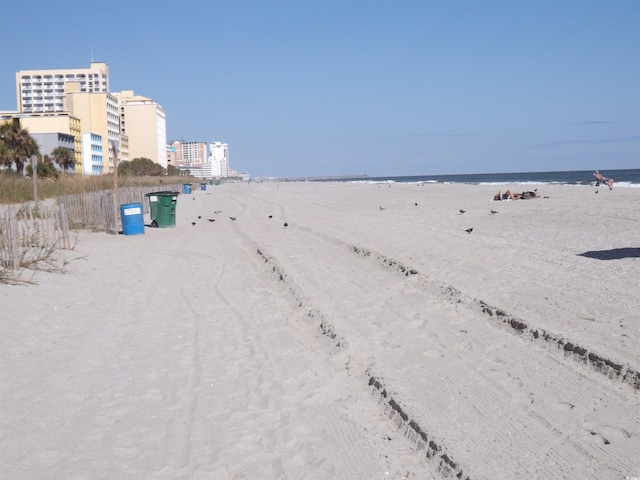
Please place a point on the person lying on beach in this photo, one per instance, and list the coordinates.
(526, 195)
(508, 195)
(602, 179)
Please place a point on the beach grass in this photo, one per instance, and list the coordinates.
(18, 189)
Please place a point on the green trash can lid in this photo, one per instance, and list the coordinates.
(164, 192)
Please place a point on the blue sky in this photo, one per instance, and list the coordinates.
(338, 87)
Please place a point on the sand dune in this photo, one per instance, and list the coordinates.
(371, 337)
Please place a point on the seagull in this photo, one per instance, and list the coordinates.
(469, 230)
(199, 216)
(493, 212)
(270, 216)
(211, 219)
(232, 218)
(596, 192)
(381, 208)
(193, 223)
(416, 204)
(286, 224)
(462, 211)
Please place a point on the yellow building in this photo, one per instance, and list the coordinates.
(59, 122)
(98, 113)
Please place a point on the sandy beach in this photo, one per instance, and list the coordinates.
(372, 337)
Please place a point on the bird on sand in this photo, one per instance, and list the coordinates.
(211, 219)
(381, 208)
(270, 216)
(217, 211)
(286, 224)
(493, 212)
(232, 218)
(469, 230)
(193, 223)
(199, 216)
(462, 211)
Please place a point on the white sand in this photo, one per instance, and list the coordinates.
(334, 347)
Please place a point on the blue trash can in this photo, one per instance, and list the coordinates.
(132, 218)
(203, 186)
(186, 188)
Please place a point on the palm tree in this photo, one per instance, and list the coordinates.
(64, 158)
(16, 145)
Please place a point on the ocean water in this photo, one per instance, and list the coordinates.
(622, 178)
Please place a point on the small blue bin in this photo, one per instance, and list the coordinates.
(203, 186)
(132, 218)
(186, 188)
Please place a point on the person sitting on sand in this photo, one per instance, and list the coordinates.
(508, 195)
(602, 179)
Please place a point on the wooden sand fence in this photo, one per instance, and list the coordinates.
(97, 211)
(30, 234)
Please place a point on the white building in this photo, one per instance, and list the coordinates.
(219, 159)
(92, 154)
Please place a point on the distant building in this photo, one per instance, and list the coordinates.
(172, 157)
(219, 159)
(143, 121)
(189, 156)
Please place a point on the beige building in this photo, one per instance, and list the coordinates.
(143, 121)
(190, 157)
(39, 91)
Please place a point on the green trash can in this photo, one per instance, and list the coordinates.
(162, 208)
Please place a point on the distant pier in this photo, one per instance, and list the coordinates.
(329, 178)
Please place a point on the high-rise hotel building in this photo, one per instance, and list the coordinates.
(219, 159)
(144, 122)
(44, 90)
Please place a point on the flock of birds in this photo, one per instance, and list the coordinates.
(462, 211)
(468, 230)
(233, 219)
